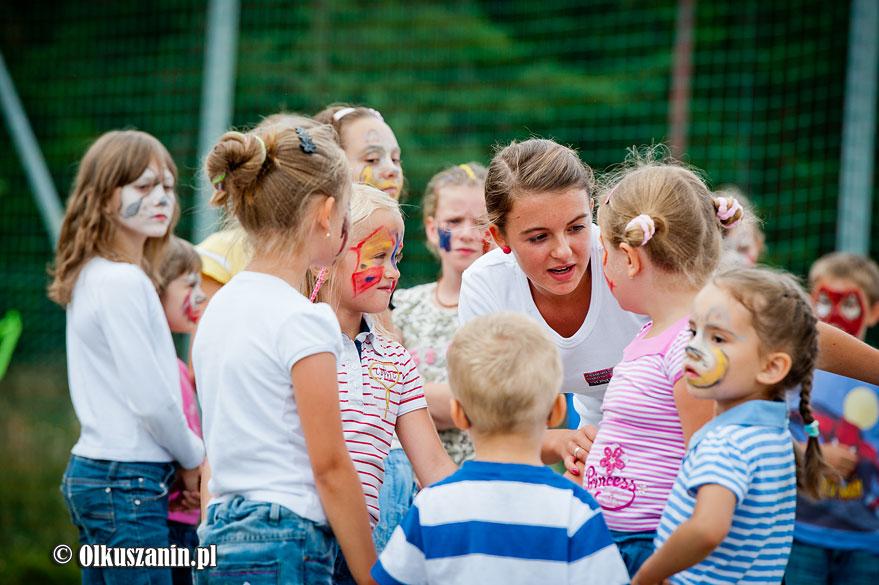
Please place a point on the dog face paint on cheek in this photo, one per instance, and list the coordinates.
(710, 363)
(371, 254)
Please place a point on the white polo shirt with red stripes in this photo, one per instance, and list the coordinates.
(378, 383)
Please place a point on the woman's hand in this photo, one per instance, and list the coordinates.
(577, 449)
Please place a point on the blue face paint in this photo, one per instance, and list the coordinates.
(445, 239)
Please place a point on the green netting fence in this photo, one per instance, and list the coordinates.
(453, 79)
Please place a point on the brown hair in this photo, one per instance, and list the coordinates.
(537, 165)
(114, 160)
(328, 116)
(859, 269)
(783, 319)
(687, 239)
(180, 258)
(267, 180)
(506, 372)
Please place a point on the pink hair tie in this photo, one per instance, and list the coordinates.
(645, 223)
(727, 207)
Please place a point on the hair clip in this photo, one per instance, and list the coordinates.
(812, 429)
(645, 223)
(305, 142)
(727, 207)
(466, 168)
(216, 181)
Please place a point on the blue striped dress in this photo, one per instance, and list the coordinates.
(505, 524)
(749, 451)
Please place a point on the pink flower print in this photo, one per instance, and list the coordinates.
(613, 459)
(429, 356)
(415, 358)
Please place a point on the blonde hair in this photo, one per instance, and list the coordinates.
(328, 115)
(470, 174)
(782, 317)
(687, 238)
(750, 216)
(267, 179)
(180, 258)
(505, 371)
(114, 160)
(365, 200)
(859, 269)
(533, 166)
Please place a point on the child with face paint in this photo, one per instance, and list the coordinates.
(124, 380)
(752, 336)
(380, 389)
(285, 493)
(370, 145)
(660, 227)
(182, 299)
(836, 538)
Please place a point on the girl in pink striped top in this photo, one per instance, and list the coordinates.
(660, 228)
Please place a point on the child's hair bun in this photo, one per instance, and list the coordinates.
(234, 165)
(729, 211)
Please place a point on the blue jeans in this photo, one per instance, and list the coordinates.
(119, 504)
(261, 543)
(183, 536)
(395, 498)
(634, 547)
(815, 565)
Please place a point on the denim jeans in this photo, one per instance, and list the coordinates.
(395, 498)
(119, 503)
(261, 543)
(815, 565)
(634, 547)
(183, 536)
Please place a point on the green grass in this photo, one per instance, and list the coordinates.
(37, 430)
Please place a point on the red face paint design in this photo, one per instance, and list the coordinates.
(372, 252)
(841, 308)
(610, 284)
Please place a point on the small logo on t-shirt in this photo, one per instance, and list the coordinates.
(387, 375)
(598, 377)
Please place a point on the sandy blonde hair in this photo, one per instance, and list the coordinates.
(859, 269)
(533, 166)
(471, 173)
(180, 258)
(328, 116)
(506, 372)
(687, 240)
(782, 316)
(267, 180)
(114, 160)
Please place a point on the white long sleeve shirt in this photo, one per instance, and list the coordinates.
(122, 370)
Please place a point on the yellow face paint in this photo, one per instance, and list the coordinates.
(709, 364)
(391, 186)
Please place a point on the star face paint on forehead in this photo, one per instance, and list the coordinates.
(372, 253)
(843, 308)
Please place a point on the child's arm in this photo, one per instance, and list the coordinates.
(843, 354)
(439, 396)
(317, 399)
(694, 412)
(418, 436)
(695, 539)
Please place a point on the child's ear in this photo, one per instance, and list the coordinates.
(498, 237)
(459, 417)
(558, 412)
(325, 213)
(430, 231)
(775, 368)
(633, 259)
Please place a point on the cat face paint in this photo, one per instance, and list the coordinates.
(704, 366)
(373, 252)
(183, 301)
(146, 205)
(843, 308)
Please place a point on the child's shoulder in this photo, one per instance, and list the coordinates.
(117, 277)
(390, 349)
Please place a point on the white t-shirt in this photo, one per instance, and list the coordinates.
(122, 370)
(495, 283)
(253, 331)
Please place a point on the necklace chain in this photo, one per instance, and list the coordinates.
(439, 302)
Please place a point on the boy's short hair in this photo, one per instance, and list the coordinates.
(505, 371)
(180, 258)
(859, 269)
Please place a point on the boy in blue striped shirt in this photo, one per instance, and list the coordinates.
(503, 518)
(730, 516)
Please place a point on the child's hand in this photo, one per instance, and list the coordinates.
(841, 458)
(190, 484)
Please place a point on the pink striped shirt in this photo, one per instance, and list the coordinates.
(635, 458)
(377, 385)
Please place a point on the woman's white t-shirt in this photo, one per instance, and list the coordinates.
(122, 370)
(495, 283)
(252, 333)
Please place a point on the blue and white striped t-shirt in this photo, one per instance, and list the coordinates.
(749, 451)
(502, 523)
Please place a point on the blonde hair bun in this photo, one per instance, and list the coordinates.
(234, 165)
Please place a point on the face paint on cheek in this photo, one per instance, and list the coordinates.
(610, 284)
(445, 239)
(128, 207)
(367, 176)
(370, 268)
(841, 308)
(705, 367)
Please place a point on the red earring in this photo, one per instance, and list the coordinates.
(506, 249)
